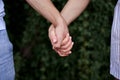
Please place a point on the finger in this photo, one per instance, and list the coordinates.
(65, 53)
(52, 35)
(65, 46)
(68, 49)
(68, 53)
(66, 39)
(60, 54)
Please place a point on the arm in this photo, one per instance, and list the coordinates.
(47, 9)
(73, 9)
(70, 12)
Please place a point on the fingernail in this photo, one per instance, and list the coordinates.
(70, 52)
(72, 43)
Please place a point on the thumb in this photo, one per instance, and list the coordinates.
(52, 36)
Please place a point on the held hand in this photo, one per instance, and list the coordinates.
(60, 31)
(62, 48)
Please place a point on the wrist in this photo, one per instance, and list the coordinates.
(61, 22)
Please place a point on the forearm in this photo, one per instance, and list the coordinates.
(46, 9)
(73, 9)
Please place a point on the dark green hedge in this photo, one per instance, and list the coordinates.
(34, 57)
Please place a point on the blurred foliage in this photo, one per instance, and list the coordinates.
(34, 57)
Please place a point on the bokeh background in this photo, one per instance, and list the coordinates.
(33, 54)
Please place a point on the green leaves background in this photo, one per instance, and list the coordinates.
(33, 54)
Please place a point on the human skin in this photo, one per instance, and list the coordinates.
(70, 12)
(48, 10)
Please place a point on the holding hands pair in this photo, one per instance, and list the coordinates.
(61, 40)
(58, 31)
